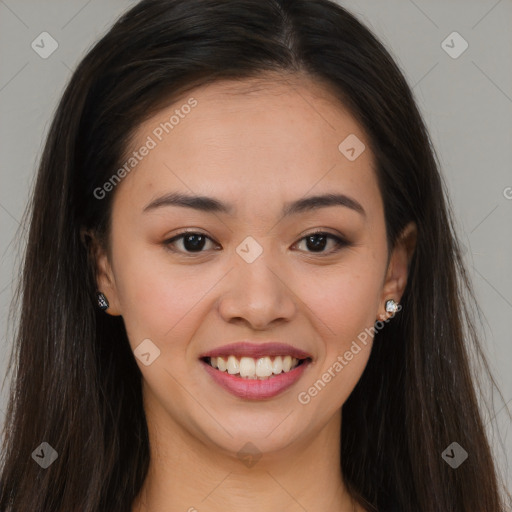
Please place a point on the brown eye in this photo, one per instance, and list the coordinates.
(191, 242)
(195, 242)
(317, 242)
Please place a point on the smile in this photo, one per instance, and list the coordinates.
(245, 382)
(251, 368)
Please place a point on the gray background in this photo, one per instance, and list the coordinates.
(466, 102)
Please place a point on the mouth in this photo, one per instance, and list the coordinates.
(251, 368)
(256, 371)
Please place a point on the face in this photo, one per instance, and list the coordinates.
(252, 270)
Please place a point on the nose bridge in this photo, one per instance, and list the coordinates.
(257, 289)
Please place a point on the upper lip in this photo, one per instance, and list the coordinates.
(256, 350)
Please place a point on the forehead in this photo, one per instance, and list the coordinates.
(255, 137)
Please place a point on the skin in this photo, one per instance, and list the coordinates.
(255, 149)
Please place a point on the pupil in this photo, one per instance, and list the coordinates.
(317, 246)
(314, 242)
(189, 245)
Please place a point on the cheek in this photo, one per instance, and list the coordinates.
(344, 305)
(345, 302)
(345, 315)
(158, 299)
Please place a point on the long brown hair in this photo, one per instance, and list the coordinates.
(75, 383)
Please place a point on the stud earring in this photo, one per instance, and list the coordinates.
(102, 301)
(391, 306)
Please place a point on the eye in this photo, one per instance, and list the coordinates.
(192, 242)
(317, 242)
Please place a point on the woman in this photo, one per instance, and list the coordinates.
(242, 287)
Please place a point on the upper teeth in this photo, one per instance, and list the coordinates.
(252, 368)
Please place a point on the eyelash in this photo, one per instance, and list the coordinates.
(340, 242)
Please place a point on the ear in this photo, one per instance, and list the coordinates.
(398, 268)
(104, 275)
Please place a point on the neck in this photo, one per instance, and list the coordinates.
(188, 474)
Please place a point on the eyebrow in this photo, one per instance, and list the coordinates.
(212, 205)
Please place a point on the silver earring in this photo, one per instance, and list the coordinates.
(102, 301)
(391, 306)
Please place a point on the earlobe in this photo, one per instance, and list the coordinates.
(106, 294)
(106, 283)
(398, 268)
(103, 303)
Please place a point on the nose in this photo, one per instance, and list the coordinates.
(258, 294)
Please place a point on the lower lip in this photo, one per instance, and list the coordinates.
(256, 389)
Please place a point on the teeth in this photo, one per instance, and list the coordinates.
(233, 365)
(277, 365)
(221, 364)
(264, 367)
(251, 368)
(247, 367)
